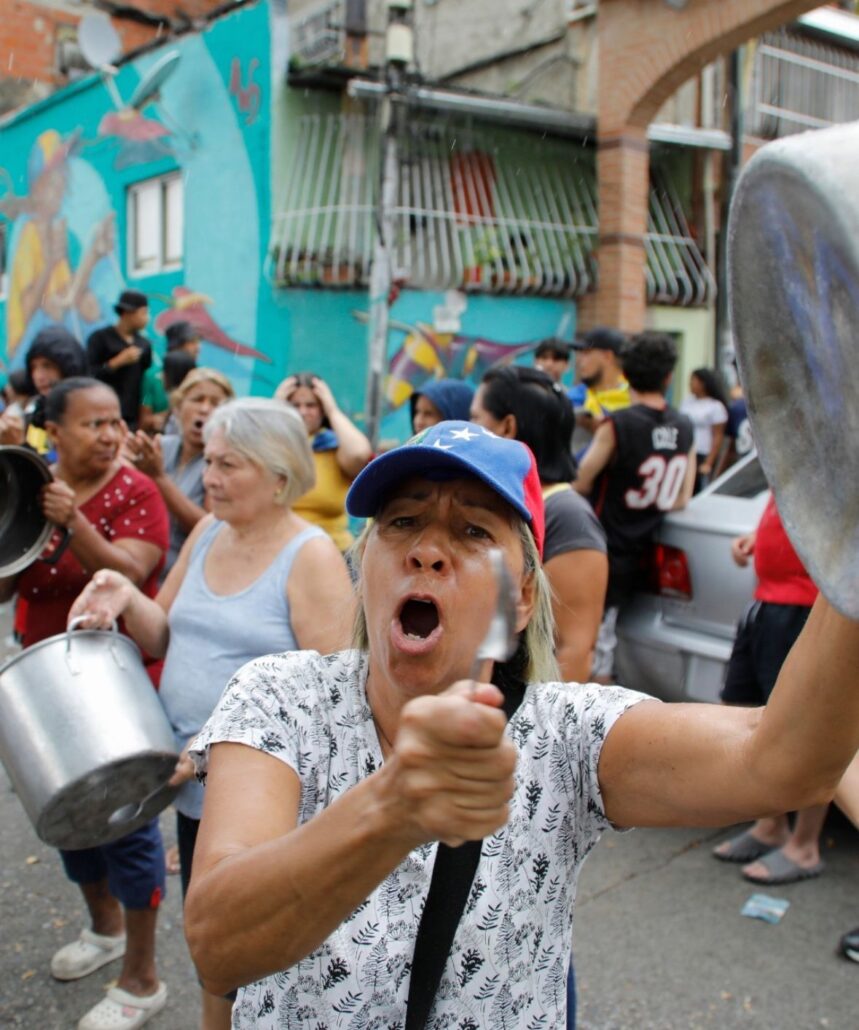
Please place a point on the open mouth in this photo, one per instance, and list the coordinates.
(198, 424)
(419, 618)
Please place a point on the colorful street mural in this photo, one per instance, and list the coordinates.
(432, 335)
(203, 105)
(187, 306)
(62, 259)
(198, 105)
(139, 138)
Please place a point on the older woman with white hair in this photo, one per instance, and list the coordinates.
(251, 579)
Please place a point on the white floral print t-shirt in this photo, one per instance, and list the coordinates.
(508, 963)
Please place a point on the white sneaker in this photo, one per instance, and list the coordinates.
(89, 952)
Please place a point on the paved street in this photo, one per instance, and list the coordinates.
(660, 942)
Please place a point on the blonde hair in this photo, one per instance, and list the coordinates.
(538, 637)
(197, 376)
(270, 434)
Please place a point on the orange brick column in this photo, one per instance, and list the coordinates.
(623, 164)
(647, 50)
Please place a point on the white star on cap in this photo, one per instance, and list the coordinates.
(443, 446)
(463, 434)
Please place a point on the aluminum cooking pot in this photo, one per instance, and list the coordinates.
(793, 254)
(84, 738)
(24, 530)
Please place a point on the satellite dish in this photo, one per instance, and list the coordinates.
(98, 40)
(154, 79)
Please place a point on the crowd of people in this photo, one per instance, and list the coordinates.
(353, 749)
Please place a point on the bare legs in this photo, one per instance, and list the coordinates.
(138, 975)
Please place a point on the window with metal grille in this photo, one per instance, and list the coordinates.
(480, 209)
(477, 209)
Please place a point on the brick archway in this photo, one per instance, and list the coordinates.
(647, 50)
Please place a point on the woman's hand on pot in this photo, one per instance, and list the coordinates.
(452, 765)
(103, 599)
(183, 772)
(58, 503)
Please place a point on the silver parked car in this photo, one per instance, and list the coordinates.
(674, 640)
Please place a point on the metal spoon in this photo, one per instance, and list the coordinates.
(501, 637)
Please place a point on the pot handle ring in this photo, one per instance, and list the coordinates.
(76, 624)
(60, 549)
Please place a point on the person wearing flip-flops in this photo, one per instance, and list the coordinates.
(119, 522)
(771, 852)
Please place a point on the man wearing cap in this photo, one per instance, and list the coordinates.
(552, 357)
(184, 337)
(598, 367)
(320, 887)
(119, 354)
(183, 349)
(639, 466)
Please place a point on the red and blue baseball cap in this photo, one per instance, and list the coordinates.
(451, 450)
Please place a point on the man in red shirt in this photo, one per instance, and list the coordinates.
(783, 598)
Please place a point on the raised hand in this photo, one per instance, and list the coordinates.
(452, 767)
(325, 396)
(11, 429)
(148, 454)
(286, 389)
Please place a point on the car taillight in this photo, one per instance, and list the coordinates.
(671, 572)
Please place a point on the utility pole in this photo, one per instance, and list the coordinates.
(724, 333)
(399, 53)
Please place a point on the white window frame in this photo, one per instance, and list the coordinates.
(158, 187)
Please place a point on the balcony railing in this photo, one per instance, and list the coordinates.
(477, 209)
(798, 84)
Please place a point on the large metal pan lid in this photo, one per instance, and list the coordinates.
(794, 292)
(24, 530)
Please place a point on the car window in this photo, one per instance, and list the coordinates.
(745, 479)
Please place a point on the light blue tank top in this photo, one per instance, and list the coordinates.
(212, 637)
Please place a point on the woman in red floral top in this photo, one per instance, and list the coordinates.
(115, 513)
(118, 521)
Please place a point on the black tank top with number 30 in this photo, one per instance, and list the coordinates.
(645, 476)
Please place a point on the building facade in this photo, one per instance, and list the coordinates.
(232, 171)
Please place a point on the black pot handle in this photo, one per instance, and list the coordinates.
(60, 549)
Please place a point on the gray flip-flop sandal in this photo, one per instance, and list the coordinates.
(743, 848)
(783, 870)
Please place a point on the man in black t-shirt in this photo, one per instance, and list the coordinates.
(119, 354)
(639, 466)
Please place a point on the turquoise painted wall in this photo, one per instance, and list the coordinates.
(210, 120)
(224, 118)
(328, 335)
